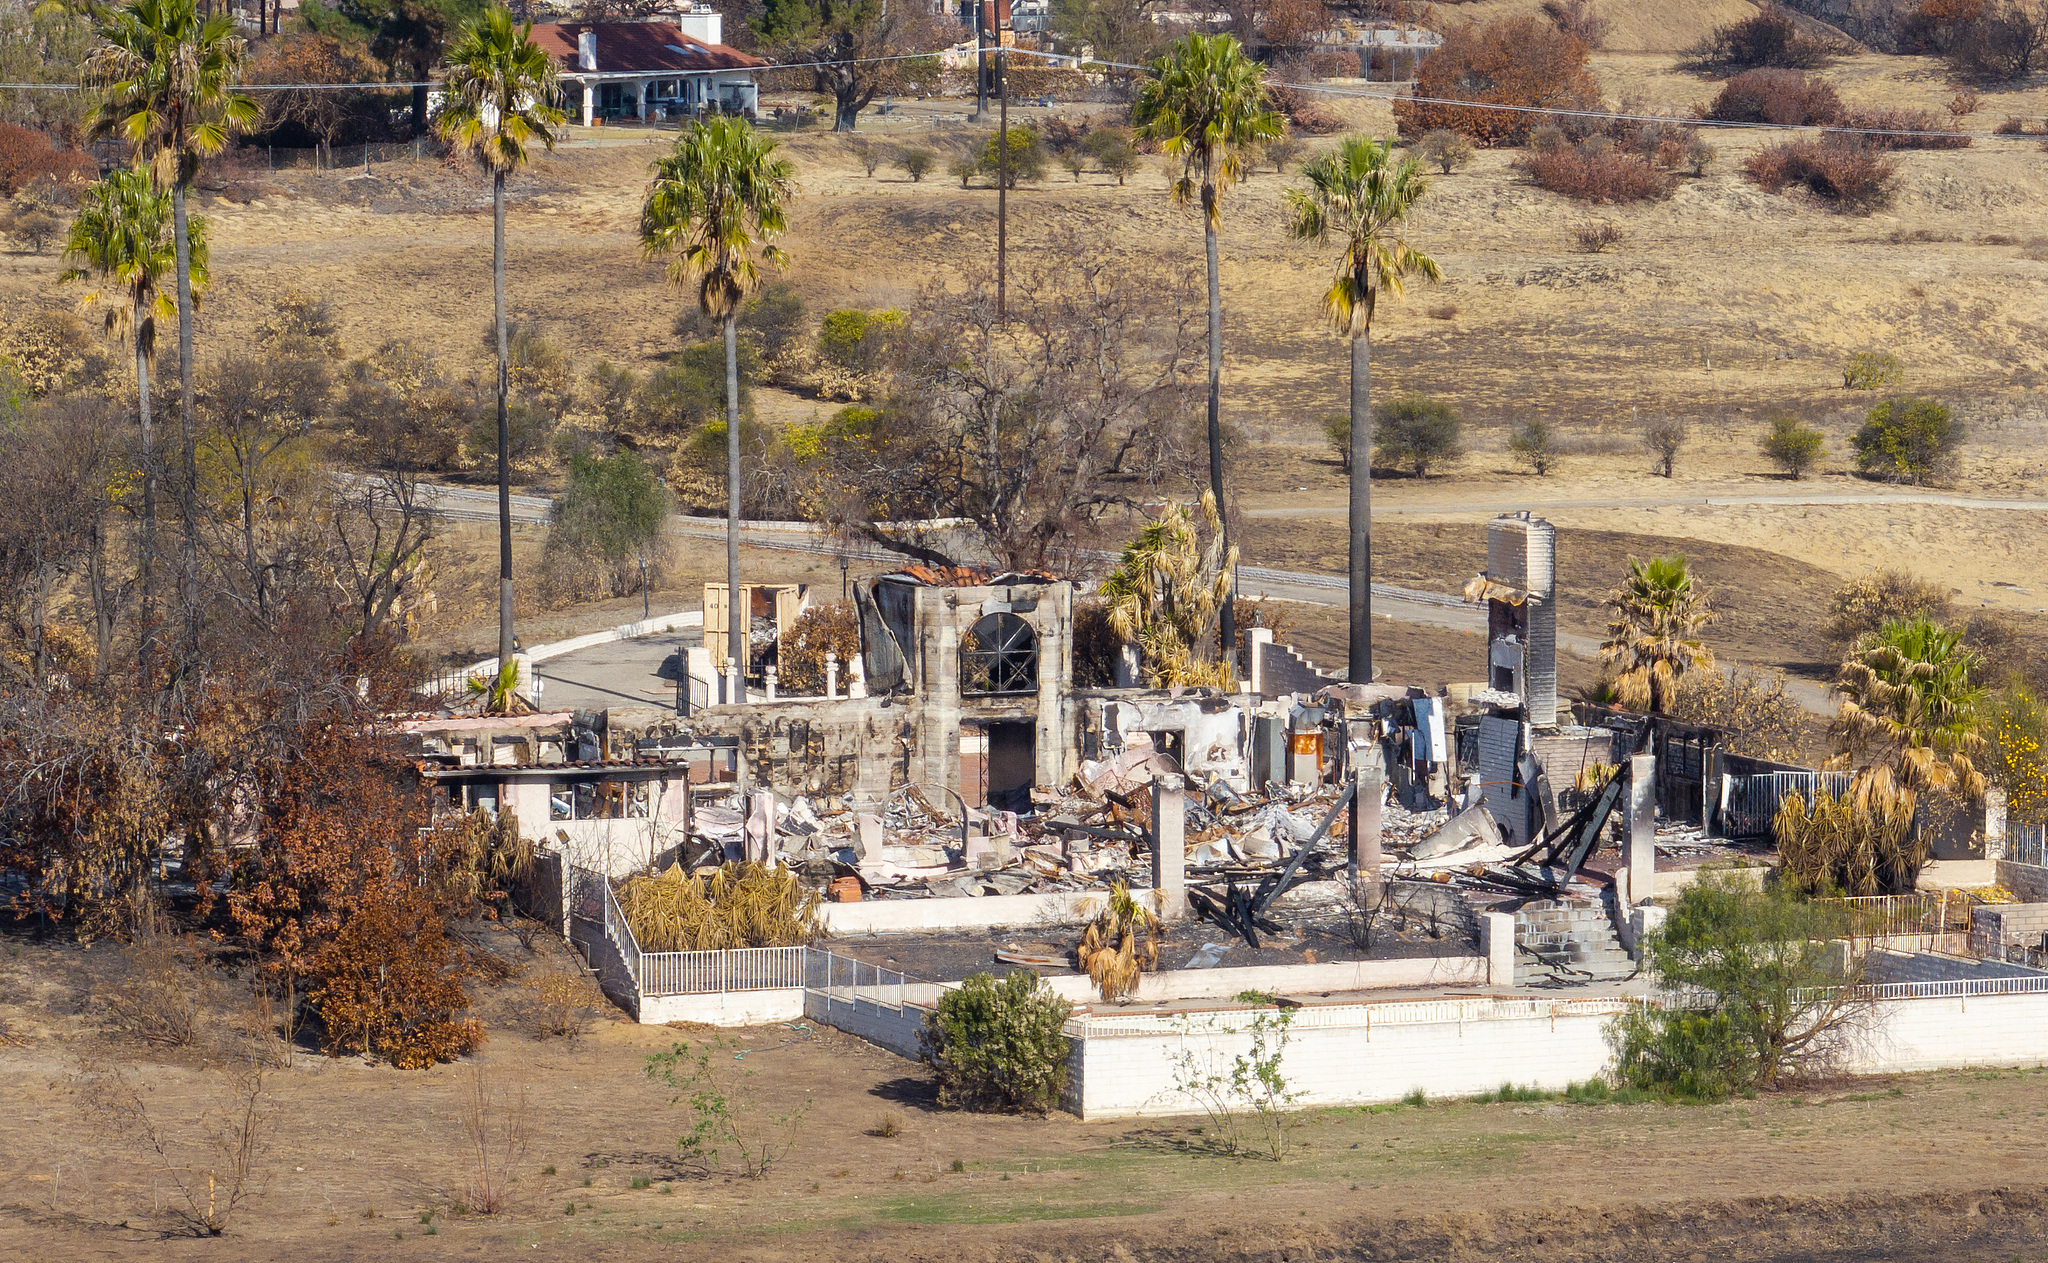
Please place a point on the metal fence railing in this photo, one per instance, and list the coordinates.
(1920, 913)
(2026, 843)
(1753, 800)
(737, 969)
(844, 979)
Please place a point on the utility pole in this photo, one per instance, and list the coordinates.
(981, 14)
(1003, 186)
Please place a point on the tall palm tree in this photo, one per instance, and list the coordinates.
(1908, 694)
(166, 79)
(1654, 637)
(1205, 102)
(501, 93)
(1360, 194)
(123, 237)
(715, 207)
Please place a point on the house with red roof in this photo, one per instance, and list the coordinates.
(670, 67)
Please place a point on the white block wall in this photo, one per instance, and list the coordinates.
(1131, 1075)
(727, 1008)
(1992, 1030)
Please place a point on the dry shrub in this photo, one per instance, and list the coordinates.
(1121, 943)
(1520, 60)
(161, 991)
(1305, 114)
(1861, 606)
(26, 153)
(1333, 65)
(389, 984)
(1885, 129)
(822, 629)
(1597, 175)
(213, 1165)
(1862, 843)
(558, 1006)
(1848, 177)
(1769, 37)
(1577, 19)
(1447, 311)
(1595, 236)
(2010, 126)
(1761, 719)
(741, 905)
(497, 1124)
(1784, 97)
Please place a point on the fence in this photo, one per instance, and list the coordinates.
(1753, 800)
(705, 973)
(1366, 1016)
(1924, 912)
(348, 157)
(2026, 843)
(838, 978)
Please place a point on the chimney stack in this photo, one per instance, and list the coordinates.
(586, 49)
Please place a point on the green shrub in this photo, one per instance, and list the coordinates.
(997, 1046)
(689, 391)
(1873, 370)
(771, 320)
(1533, 445)
(1414, 432)
(1027, 155)
(1793, 447)
(1908, 440)
(1337, 429)
(1444, 148)
(1114, 151)
(1766, 997)
(857, 340)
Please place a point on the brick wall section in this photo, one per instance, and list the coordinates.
(2011, 922)
(1282, 670)
(2028, 881)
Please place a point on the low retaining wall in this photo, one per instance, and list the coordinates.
(1367, 1054)
(725, 1008)
(890, 916)
(2028, 881)
(1353, 1054)
(883, 1025)
(1318, 979)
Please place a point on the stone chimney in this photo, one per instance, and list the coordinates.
(586, 49)
(1521, 618)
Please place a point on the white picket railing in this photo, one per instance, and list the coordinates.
(737, 969)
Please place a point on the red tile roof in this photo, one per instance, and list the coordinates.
(626, 47)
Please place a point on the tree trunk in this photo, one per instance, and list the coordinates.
(504, 423)
(101, 584)
(146, 649)
(1227, 634)
(738, 622)
(249, 539)
(1359, 669)
(188, 508)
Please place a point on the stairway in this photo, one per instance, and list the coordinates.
(1567, 944)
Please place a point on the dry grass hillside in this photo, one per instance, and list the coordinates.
(1716, 306)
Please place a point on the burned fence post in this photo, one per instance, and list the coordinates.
(1169, 846)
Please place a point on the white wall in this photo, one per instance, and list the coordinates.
(1361, 1054)
(1318, 979)
(1355, 1063)
(729, 1008)
(882, 916)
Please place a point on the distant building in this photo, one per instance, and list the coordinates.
(648, 71)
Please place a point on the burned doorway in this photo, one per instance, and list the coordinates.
(1011, 764)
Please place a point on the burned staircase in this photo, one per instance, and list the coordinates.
(1567, 944)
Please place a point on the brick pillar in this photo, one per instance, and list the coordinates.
(1994, 823)
(1169, 846)
(1639, 822)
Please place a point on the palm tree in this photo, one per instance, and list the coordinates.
(715, 207)
(1654, 638)
(1205, 102)
(167, 80)
(1362, 195)
(123, 236)
(1167, 591)
(501, 94)
(1907, 692)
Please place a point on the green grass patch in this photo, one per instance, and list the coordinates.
(957, 1210)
